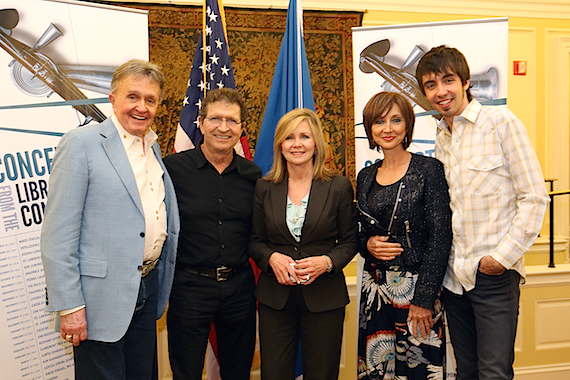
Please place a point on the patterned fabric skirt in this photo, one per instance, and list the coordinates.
(387, 348)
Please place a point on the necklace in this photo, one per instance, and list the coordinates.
(298, 209)
(297, 216)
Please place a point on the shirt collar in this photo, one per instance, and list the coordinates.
(470, 114)
(472, 110)
(128, 139)
(201, 159)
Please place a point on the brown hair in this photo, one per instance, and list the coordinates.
(379, 105)
(225, 95)
(440, 60)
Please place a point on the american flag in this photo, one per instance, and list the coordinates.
(211, 69)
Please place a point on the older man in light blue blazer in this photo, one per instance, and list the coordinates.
(110, 233)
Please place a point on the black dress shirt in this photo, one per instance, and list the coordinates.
(215, 209)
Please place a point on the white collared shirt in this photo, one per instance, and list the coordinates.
(149, 177)
(497, 191)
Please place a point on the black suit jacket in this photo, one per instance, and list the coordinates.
(330, 228)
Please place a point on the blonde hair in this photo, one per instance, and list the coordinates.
(285, 127)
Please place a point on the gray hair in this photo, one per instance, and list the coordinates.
(139, 68)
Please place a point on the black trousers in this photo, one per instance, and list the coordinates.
(133, 357)
(197, 300)
(482, 326)
(320, 334)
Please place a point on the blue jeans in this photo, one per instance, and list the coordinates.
(134, 355)
(482, 326)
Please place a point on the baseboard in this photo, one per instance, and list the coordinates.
(559, 371)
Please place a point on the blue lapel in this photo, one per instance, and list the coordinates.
(118, 157)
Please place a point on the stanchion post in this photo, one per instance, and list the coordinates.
(551, 263)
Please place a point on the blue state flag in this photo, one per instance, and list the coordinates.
(291, 86)
(211, 69)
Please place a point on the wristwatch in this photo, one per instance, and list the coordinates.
(330, 266)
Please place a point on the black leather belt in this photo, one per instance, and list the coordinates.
(221, 273)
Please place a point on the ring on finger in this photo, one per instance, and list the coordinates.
(69, 338)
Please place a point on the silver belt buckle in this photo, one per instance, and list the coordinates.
(223, 273)
(147, 266)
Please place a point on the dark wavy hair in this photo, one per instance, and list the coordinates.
(440, 60)
(224, 95)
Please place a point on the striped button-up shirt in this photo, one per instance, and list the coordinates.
(497, 191)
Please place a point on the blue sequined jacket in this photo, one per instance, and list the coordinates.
(421, 224)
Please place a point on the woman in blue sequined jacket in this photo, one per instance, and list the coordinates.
(405, 239)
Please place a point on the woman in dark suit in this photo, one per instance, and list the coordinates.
(405, 241)
(304, 233)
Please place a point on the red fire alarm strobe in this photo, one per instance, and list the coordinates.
(519, 68)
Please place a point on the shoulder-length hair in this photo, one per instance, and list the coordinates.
(285, 127)
(379, 105)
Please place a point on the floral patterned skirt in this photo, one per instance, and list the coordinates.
(387, 349)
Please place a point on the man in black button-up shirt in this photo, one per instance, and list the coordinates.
(213, 279)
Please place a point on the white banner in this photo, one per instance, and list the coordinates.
(385, 59)
(54, 55)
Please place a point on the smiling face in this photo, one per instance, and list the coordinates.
(221, 127)
(446, 94)
(389, 130)
(135, 103)
(299, 147)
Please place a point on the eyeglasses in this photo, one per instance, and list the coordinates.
(217, 121)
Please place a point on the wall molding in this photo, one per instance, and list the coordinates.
(559, 9)
(558, 371)
(542, 276)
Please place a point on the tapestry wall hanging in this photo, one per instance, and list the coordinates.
(254, 38)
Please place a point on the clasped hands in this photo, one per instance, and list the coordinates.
(300, 272)
(421, 319)
(380, 248)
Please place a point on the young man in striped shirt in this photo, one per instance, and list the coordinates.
(498, 200)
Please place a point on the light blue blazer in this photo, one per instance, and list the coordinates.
(92, 237)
